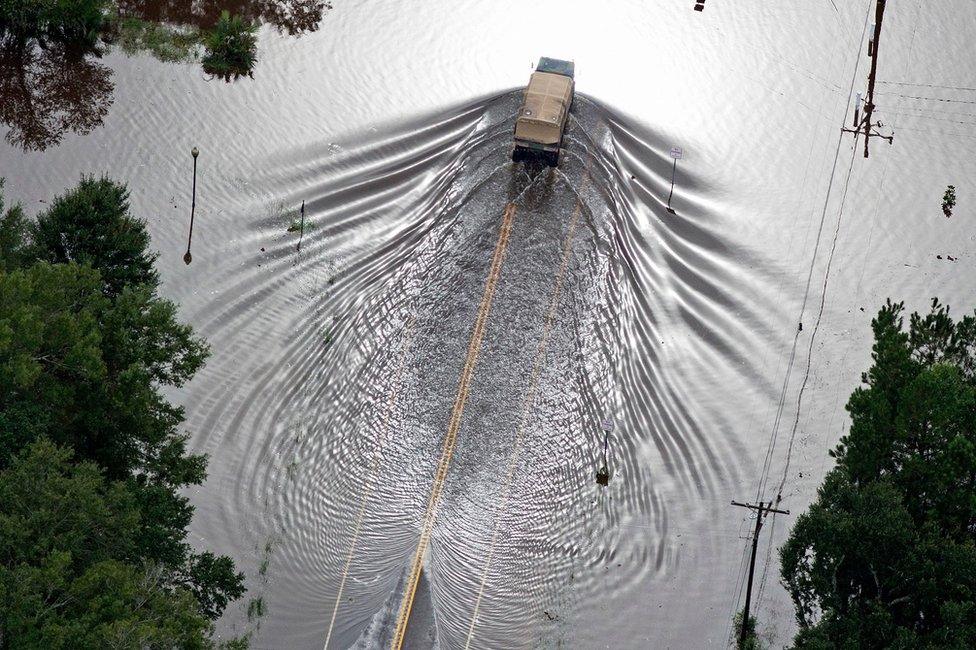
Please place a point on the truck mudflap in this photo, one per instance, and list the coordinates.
(531, 152)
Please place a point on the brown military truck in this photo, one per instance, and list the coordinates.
(542, 119)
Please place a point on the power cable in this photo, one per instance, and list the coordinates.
(774, 434)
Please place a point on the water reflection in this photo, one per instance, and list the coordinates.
(289, 16)
(49, 90)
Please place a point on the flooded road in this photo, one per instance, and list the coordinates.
(336, 369)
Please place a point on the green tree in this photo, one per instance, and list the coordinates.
(886, 555)
(70, 573)
(231, 47)
(82, 362)
(92, 224)
(13, 235)
(49, 353)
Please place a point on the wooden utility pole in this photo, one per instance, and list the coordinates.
(869, 105)
(760, 509)
(865, 124)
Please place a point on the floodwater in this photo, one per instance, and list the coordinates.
(335, 368)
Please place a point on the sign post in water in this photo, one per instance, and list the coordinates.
(603, 474)
(676, 154)
(187, 257)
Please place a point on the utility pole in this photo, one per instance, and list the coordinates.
(869, 106)
(760, 509)
(865, 124)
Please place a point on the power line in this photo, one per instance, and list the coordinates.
(786, 379)
(931, 99)
(774, 434)
(813, 336)
(957, 135)
(911, 83)
(932, 117)
(937, 111)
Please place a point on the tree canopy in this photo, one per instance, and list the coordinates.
(70, 576)
(886, 556)
(86, 344)
(92, 225)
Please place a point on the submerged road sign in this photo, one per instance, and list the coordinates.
(676, 153)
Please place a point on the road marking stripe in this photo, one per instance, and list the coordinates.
(528, 401)
(464, 387)
(374, 466)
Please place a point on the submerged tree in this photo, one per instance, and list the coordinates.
(949, 201)
(752, 638)
(231, 48)
(886, 556)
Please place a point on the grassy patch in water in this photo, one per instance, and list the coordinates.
(292, 470)
(296, 225)
(255, 608)
(171, 43)
(266, 557)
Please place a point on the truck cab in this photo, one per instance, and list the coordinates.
(541, 121)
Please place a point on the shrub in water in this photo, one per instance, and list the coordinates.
(231, 47)
(949, 200)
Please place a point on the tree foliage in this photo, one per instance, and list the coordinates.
(92, 225)
(71, 575)
(13, 235)
(231, 47)
(86, 345)
(886, 556)
(752, 640)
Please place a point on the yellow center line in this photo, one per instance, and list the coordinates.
(374, 466)
(464, 387)
(528, 401)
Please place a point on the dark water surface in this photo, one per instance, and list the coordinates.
(335, 368)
